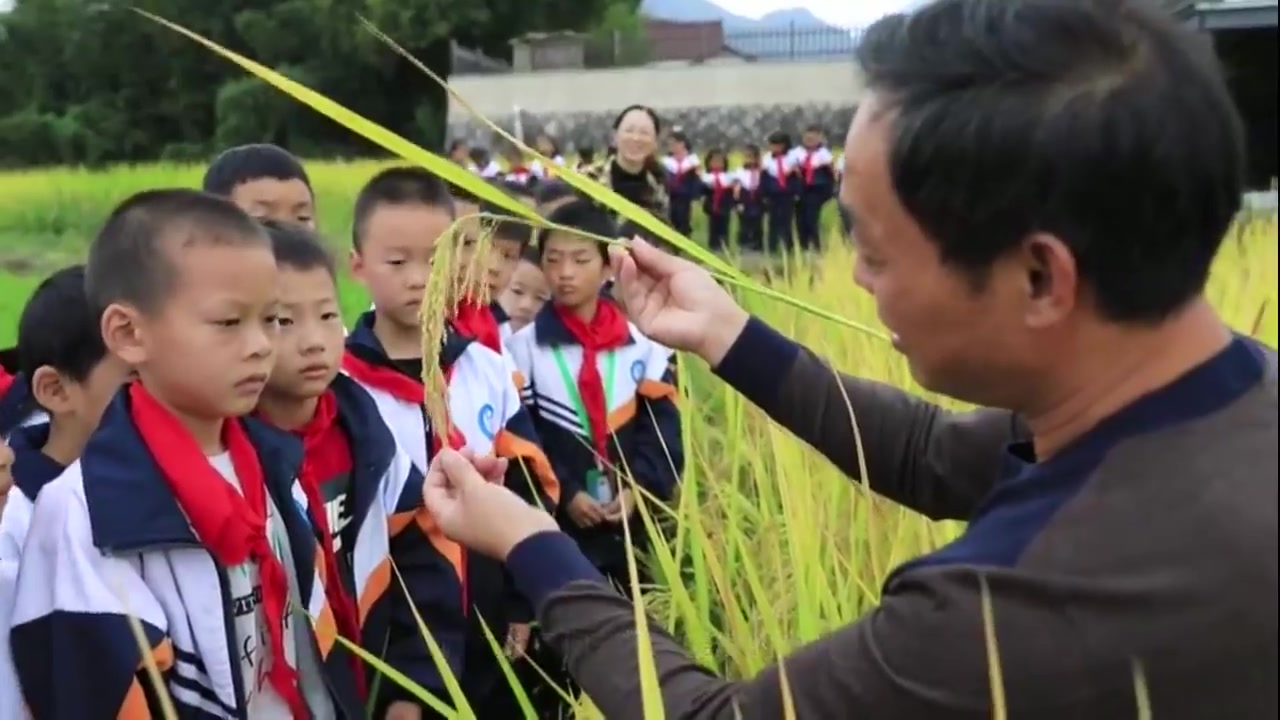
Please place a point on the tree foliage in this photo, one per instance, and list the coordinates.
(90, 82)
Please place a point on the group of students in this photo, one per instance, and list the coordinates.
(776, 197)
(215, 479)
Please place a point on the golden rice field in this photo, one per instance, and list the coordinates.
(775, 546)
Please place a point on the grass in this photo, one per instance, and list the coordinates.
(775, 547)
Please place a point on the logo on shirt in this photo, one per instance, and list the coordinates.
(637, 371)
(486, 421)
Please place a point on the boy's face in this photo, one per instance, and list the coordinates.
(207, 352)
(309, 346)
(394, 259)
(574, 269)
(274, 199)
(777, 148)
(715, 162)
(79, 404)
(811, 139)
(460, 153)
(506, 255)
(526, 294)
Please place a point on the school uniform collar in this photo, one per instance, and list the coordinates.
(550, 329)
(32, 469)
(130, 504)
(362, 343)
(373, 447)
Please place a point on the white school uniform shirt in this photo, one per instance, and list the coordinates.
(482, 397)
(724, 178)
(679, 166)
(518, 177)
(819, 157)
(747, 178)
(542, 172)
(779, 168)
(492, 170)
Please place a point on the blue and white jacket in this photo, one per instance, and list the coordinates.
(107, 542)
(639, 380)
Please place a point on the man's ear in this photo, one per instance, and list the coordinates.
(124, 333)
(51, 390)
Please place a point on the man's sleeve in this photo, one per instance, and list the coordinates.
(936, 462)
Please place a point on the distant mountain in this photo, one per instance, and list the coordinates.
(783, 34)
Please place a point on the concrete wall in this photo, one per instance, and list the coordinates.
(726, 103)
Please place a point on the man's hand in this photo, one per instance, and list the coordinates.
(466, 498)
(584, 511)
(675, 302)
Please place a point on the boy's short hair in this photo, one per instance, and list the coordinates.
(586, 216)
(59, 328)
(530, 254)
(778, 137)
(553, 191)
(462, 194)
(130, 259)
(298, 248)
(245, 163)
(507, 226)
(404, 185)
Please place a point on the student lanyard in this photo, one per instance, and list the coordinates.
(571, 387)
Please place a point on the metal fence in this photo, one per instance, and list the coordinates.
(668, 43)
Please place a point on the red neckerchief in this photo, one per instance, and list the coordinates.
(322, 438)
(677, 175)
(401, 387)
(808, 166)
(717, 190)
(6, 381)
(780, 163)
(476, 321)
(606, 331)
(231, 525)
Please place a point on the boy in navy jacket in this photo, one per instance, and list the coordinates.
(780, 186)
(817, 180)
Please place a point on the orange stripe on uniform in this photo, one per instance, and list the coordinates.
(326, 630)
(622, 414)
(374, 587)
(517, 377)
(509, 445)
(447, 548)
(134, 706)
(401, 520)
(657, 390)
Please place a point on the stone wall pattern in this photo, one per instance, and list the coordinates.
(729, 127)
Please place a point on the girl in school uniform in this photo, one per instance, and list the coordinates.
(750, 201)
(684, 183)
(548, 147)
(717, 199)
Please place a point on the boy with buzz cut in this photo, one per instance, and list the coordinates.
(66, 370)
(181, 518)
(509, 239)
(362, 490)
(265, 181)
(400, 216)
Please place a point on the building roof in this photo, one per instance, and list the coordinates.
(1215, 15)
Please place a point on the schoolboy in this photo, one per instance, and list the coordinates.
(551, 195)
(510, 236)
(400, 216)
(65, 369)
(70, 376)
(750, 201)
(816, 180)
(174, 497)
(525, 295)
(779, 185)
(601, 394)
(362, 490)
(265, 181)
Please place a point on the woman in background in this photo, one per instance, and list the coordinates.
(632, 169)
